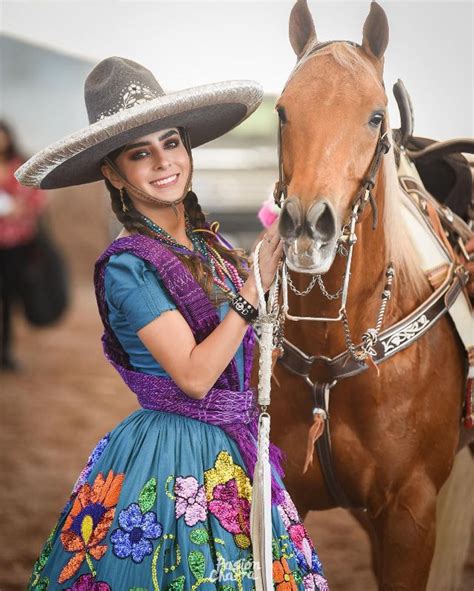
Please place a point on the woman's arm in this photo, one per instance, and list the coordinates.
(195, 368)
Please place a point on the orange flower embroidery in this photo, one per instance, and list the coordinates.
(282, 576)
(89, 521)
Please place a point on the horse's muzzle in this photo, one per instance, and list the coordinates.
(310, 238)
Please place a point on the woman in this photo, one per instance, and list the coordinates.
(164, 500)
(20, 209)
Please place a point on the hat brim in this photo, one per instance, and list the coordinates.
(207, 112)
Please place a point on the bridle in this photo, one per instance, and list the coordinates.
(363, 197)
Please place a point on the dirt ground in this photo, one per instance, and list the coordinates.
(52, 414)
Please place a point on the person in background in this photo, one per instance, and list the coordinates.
(20, 209)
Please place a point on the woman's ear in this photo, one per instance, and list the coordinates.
(111, 176)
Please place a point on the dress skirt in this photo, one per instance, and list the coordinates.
(163, 503)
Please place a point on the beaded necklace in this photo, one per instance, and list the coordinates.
(220, 267)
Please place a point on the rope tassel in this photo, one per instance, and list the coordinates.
(261, 509)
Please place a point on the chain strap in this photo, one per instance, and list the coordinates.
(369, 338)
(306, 291)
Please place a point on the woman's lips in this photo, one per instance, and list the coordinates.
(166, 181)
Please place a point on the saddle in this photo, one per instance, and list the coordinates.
(437, 180)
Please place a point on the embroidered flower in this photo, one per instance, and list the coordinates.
(321, 583)
(288, 511)
(306, 556)
(190, 500)
(89, 521)
(88, 583)
(95, 455)
(232, 511)
(135, 532)
(228, 493)
(282, 577)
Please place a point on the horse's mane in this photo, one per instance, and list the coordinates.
(398, 245)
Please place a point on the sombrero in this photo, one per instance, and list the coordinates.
(124, 101)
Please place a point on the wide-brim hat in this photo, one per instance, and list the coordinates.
(124, 101)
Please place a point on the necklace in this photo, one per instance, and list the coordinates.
(220, 267)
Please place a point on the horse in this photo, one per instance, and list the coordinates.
(395, 427)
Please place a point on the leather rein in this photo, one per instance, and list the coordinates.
(387, 342)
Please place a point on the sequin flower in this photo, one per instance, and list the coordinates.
(136, 530)
(89, 521)
(228, 493)
(232, 511)
(314, 582)
(282, 577)
(288, 511)
(190, 500)
(95, 455)
(88, 583)
(305, 554)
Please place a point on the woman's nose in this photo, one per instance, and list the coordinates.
(161, 159)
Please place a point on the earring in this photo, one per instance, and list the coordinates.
(124, 205)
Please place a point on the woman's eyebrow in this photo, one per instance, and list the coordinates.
(168, 134)
(139, 145)
(142, 144)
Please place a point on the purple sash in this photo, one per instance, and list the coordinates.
(225, 405)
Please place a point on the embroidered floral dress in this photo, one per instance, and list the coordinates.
(163, 502)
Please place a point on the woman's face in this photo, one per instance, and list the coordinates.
(157, 163)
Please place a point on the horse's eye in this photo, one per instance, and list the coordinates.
(376, 119)
(282, 114)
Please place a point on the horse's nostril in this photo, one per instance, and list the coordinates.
(290, 220)
(324, 225)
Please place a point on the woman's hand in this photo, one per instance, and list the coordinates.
(269, 256)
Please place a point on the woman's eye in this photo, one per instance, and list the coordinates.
(139, 155)
(376, 119)
(171, 144)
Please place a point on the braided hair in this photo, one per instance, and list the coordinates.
(132, 221)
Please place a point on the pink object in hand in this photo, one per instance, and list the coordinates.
(268, 213)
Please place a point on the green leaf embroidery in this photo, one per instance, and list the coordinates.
(42, 585)
(199, 536)
(147, 497)
(197, 563)
(275, 550)
(177, 584)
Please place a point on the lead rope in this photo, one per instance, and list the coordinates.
(261, 508)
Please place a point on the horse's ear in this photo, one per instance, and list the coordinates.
(302, 29)
(375, 35)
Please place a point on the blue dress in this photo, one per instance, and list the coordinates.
(163, 502)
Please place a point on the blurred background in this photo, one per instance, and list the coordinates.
(63, 396)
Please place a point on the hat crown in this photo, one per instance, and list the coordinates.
(116, 84)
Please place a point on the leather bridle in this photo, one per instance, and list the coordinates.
(364, 194)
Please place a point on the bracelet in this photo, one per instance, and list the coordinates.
(245, 309)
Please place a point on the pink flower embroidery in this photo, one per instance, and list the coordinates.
(232, 511)
(190, 500)
(288, 511)
(314, 582)
(299, 538)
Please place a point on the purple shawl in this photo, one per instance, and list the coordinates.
(225, 405)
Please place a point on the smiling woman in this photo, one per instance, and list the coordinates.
(164, 501)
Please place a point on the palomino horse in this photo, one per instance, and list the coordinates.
(395, 428)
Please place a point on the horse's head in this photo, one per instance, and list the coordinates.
(331, 112)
